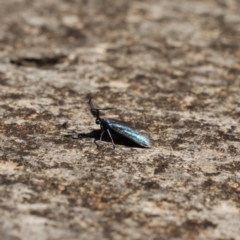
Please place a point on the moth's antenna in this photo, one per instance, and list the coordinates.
(89, 98)
(94, 111)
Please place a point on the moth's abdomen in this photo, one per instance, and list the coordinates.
(129, 133)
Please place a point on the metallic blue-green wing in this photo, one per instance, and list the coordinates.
(124, 129)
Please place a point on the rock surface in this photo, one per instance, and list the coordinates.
(171, 67)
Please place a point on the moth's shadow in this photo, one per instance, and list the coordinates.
(96, 134)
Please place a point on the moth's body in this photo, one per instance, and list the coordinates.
(108, 125)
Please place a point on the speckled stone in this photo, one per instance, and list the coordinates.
(170, 67)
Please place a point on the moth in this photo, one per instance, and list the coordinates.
(122, 128)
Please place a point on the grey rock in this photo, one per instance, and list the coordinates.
(170, 67)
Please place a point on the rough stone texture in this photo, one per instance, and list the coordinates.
(171, 67)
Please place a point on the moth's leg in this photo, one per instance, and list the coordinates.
(95, 140)
(102, 135)
(111, 138)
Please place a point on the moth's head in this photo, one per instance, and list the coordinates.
(98, 121)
